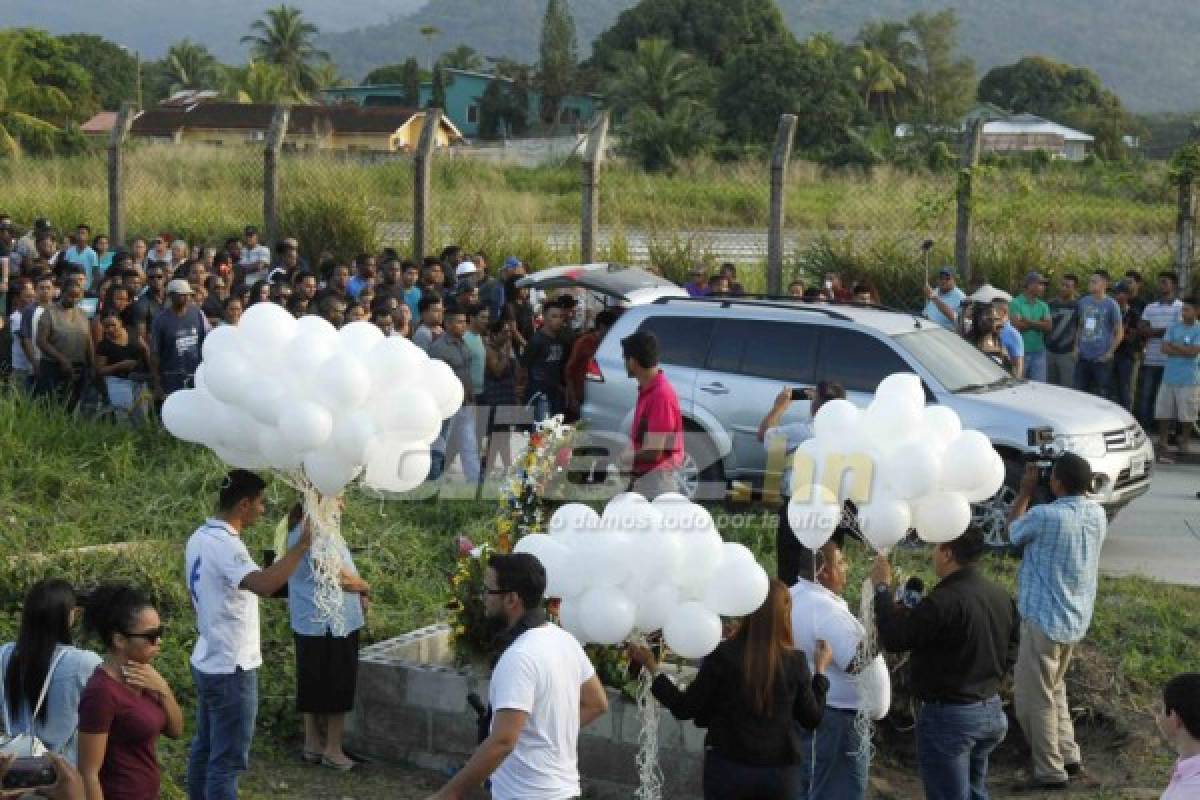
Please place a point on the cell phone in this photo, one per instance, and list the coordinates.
(801, 394)
(30, 773)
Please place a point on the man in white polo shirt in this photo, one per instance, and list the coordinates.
(543, 690)
(225, 584)
(836, 760)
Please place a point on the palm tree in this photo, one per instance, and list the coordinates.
(284, 38)
(878, 77)
(893, 41)
(462, 57)
(430, 32)
(24, 100)
(259, 82)
(190, 66)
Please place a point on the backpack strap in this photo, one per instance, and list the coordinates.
(5, 655)
(46, 687)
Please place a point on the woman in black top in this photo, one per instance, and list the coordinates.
(121, 361)
(749, 693)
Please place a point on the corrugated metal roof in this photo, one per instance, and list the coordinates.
(1031, 124)
(254, 116)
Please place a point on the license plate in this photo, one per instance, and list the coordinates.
(1137, 468)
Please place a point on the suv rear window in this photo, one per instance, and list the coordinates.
(682, 341)
(855, 360)
(774, 350)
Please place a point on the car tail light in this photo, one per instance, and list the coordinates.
(593, 371)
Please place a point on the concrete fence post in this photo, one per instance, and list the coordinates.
(1185, 233)
(966, 178)
(593, 157)
(781, 155)
(423, 181)
(275, 136)
(116, 173)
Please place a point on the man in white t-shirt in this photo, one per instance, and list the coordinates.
(225, 584)
(256, 257)
(543, 690)
(1157, 318)
(837, 764)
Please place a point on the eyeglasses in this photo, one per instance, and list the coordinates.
(490, 590)
(153, 636)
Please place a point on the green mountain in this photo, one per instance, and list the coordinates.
(1147, 54)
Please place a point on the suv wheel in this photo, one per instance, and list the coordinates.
(991, 516)
(701, 484)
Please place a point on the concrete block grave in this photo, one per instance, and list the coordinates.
(412, 707)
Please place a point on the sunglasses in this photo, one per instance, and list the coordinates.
(153, 636)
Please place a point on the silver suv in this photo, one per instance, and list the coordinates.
(728, 359)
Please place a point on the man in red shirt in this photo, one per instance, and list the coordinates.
(657, 422)
(584, 349)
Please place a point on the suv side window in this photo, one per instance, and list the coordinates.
(780, 351)
(682, 341)
(855, 360)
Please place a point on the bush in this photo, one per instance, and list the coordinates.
(338, 223)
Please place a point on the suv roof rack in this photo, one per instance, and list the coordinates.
(762, 301)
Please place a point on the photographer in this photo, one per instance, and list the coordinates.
(788, 550)
(1057, 590)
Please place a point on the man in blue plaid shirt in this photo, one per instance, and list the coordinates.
(1060, 542)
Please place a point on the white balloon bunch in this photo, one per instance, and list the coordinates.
(320, 405)
(643, 566)
(905, 466)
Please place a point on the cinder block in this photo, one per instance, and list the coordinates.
(455, 734)
(437, 689)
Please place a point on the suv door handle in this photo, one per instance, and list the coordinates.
(715, 388)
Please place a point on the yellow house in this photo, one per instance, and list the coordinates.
(345, 128)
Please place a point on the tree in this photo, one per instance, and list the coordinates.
(390, 74)
(944, 83)
(328, 76)
(663, 98)
(462, 57)
(893, 41)
(189, 65)
(878, 77)
(429, 33)
(557, 55)
(112, 68)
(410, 77)
(712, 30)
(437, 90)
(259, 82)
(27, 102)
(285, 39)
(50, 62)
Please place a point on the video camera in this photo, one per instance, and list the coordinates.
(1044, 453)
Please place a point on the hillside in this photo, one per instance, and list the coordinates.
(1145, 53)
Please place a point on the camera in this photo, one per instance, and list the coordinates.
(30, 773)
(1044, 453)
(802, 394)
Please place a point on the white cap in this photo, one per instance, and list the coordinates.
(465, 268)
(179, 286)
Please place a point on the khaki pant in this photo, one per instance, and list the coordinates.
(1040, 697)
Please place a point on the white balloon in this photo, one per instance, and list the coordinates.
(735, 551)
(835, 419)
(703, 552)
(737, 588)
(445, 386)
(572, 518)
(636, 518)
(812, 523)
(911, 470)
(263, 398)
(553, 557)
(968, 462)
(987, 489)
(277, 452)
(669, 497)
(940, 424)
(569, 618)
(609, 555)
(884, 521)
(313, 345)
(655, 606)
(222, 341)
(901, 389)
(607, 615)
(629, 497)
(352, 435)
(341, 382)
(893, 419)
(326, 470)
(684, 516)
(305, 425)
(941, 516)
(238, 458)
(394, 465)
(314, 323)
(186, 415)
(198, 378)
(692, 630)
(396, 358)
(229, 376)
(409, 412)
(266, 328)
(359, 338)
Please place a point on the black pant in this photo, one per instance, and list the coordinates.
(728, 780)
(66, 387)
(790, 555)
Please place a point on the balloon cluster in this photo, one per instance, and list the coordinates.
(646, 566)
(320, 405)
(903, 464)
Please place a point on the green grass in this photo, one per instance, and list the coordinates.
(74, 483)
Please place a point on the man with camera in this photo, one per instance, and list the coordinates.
(1060, 543)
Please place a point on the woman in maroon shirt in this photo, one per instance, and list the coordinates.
(126, 704)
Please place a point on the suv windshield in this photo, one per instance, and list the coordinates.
(954, 363)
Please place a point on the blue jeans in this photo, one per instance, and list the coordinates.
(1149, 379)
(1035, 366)
(729, 780)
(953, 745)
(226, 706)
(1124, 368)
(1093, 377)
(835, 761)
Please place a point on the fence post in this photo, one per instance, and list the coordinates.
(780, 156)
(593, 156)
(966, 175)
(116, 173)
(1185, 234)
(279, 126)
(422, 181)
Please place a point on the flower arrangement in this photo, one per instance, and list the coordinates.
(533, 477)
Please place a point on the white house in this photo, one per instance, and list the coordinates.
(1022, 133)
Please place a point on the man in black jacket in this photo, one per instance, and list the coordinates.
(963, 638)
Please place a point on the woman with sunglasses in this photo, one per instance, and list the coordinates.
(126, 704)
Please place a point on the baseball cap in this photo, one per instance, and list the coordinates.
(292, 243)
(512, 262)
(179, 286)
(42, 224)
(1124, 287)
(1035, 277)
(463, 287)
(465, 268)
(945, 272)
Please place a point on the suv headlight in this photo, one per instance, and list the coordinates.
(1088, 445)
